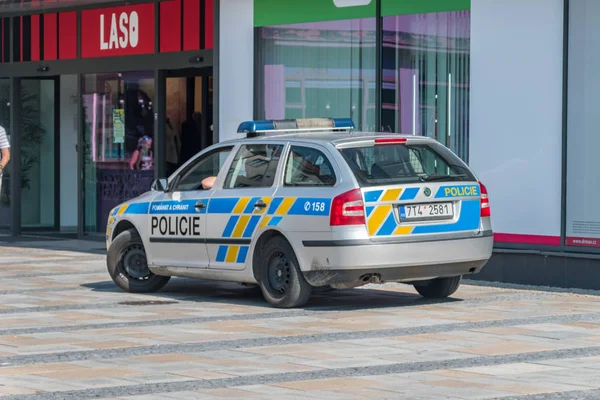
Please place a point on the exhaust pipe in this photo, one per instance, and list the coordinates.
(370, 278)
(363, 280)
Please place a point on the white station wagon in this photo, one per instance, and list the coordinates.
(304, 204)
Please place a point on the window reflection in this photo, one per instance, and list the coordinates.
(118, 136)
(327, 69)
(426, 77)
(322, 69)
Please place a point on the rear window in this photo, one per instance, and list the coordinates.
(404, 163)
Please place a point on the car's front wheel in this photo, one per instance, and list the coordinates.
(439, 288)
(128, 267)
(281, 282)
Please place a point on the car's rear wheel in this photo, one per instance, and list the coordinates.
(128, 267)
(439, 288)
(281, 281)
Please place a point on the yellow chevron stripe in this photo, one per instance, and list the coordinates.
(240, 226)
(264, 222)
(403, 230)
(285, 206)
(122, 209)
(232, 253)
(241, 205)
(377, 217)
(391, 195)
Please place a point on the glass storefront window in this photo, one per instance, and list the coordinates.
(5, 205)
(118, 138)
(328, 69)
(38, 151)
(583, 141)
(321, 69)
(426, 77)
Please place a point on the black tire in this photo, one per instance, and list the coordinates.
(440, 288)
(281, 281)
(127, 248)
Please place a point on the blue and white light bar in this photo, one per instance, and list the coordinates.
(259, 128)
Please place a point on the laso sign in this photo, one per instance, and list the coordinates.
(117, 31)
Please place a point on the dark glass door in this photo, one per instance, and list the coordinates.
(188, 115)
(5, 200)
(39, 158)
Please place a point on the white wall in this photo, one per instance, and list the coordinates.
(236, 65)
(68, 156)
(516, 111)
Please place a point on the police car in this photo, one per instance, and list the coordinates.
(304, 204)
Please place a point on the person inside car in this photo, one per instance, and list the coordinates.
(208, 182)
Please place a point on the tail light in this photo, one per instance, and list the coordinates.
(485, 201)
(347, 209)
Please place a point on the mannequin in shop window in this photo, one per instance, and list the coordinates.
(142, 158)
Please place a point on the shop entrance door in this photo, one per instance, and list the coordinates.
(5, 200)
(188, 114)
(39, 127)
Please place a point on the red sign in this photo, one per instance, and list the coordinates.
(117, 31)
(582, 242)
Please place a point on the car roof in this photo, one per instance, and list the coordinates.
(336, 138)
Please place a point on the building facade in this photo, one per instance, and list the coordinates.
(508, 85)
(98, 99)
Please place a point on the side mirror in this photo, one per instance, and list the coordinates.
(160, 185)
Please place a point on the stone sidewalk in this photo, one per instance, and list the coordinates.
(67, 332)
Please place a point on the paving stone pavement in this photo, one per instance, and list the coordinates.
(67, 332)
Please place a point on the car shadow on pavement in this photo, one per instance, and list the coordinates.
(196, 290)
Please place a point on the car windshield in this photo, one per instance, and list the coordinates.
(403, 163)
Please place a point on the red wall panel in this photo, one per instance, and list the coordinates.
(185, 25)
(35, 38)
(21, 36)
(191, 24)
(2, 43)
(50, 36)
(170, 26)
(67, 35)
(209, 24)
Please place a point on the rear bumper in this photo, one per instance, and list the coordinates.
(349, 261)
(394, 274)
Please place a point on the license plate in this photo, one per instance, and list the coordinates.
(424, 211)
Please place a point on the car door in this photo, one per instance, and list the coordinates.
(310, 181)
(239, 204)
(177, 217)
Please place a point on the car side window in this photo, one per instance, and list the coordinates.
(208, 165)
(307, 166)
(254, 165)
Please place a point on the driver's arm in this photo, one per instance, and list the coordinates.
(207, 183)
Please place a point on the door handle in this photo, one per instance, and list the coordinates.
(199, 205)
(260, 204)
